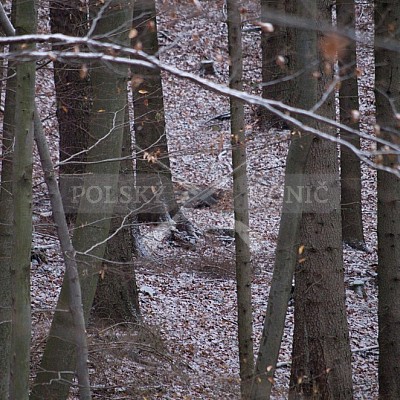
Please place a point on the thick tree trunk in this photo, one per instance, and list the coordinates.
(153, 171)
(72, 87)
(387, 84)
(73, 95)
(352, 226)
(117, 296)
(322, 369)
(25, 23)
(276, 59)
(241, 203)
(93, 221)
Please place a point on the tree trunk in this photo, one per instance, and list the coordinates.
(72, 86)
(352, 226)
(6, 231)
(285, 262)
(93, 221)
(276, 59)
(322, 369)
(73, 94)
(153, 171)
(241, 203)
(117, 296)
(25, 23)
(69, 255)
(387, 84)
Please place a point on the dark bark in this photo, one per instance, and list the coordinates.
(321, 361)
(153, 171)
(73, 96)
(6, 230)
(387, 91)
(276, 58)
(352, 226)
(321, 366)
(73, 92)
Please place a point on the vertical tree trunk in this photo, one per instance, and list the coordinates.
(276, 59)
(352, 226)
(73, 95)
(6, 231)
(387, 84)
(322, 369)
(25, 23)
(241, 202)
(93, 221)
(117, 296)
(152, 160)
(72, 88)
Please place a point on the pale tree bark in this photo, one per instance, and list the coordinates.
(117, 296)
(93, 222)
(387, 92)
(352, 226)
(321, 358)
(276, 59)
(241, 203)
(69, 255)
(25, 23)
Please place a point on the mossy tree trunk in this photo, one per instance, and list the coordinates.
(117, 296)
(93, 221)
(25, 23)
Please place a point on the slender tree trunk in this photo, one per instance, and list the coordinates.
(6, 226)
(303, 45)
(241, 202)
(322, 369)
(276, 59)
(152, 160)
(352, 226)
(68, 251)
(285, 261)
(25, 23)
(387, 92)
(93, 221)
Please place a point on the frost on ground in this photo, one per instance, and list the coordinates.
(186, 347)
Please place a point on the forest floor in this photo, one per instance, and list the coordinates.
(186, 347)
